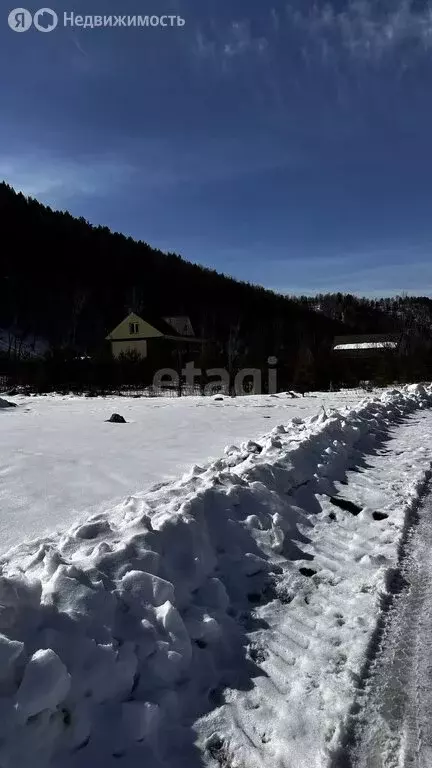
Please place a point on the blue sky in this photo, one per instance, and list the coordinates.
(285, 143)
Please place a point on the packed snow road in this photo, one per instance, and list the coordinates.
(316, 650)
(394, 726)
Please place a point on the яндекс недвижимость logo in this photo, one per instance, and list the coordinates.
(44, 20)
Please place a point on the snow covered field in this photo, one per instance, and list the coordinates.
(59, 459)
(226, 619)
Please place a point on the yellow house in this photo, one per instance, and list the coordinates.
(134, 333)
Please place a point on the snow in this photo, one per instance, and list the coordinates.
(45, 684)
(224, 618)
(393, 724)
(59, 460)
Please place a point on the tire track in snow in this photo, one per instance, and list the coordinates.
(395, 728)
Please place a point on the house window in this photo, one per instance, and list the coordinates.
(133, 328)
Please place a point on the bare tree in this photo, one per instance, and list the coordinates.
(78, 303)
(233, 351)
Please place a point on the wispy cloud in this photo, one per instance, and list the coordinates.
(382, 278)
(78, 45)
(57, 179)
(157, 166)
(373, 271)
(364, 29)
(241, 40)
(229, 41)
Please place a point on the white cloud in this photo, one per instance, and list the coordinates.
(45, 176)
(382, 271)
(233, 40)
(385, 279)
(366, 31)
(157, 166)
(363, 29)
(241, 40)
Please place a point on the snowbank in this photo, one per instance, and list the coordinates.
(49, 442)
(119, 636)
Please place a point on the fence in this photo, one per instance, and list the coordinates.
(7, 384)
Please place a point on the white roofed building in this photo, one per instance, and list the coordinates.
(367, 345)
(367, 357)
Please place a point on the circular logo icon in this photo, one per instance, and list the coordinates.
(45, 20)
(20, 19)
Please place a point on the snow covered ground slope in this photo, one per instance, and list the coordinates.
(221, 620)
(59, 459)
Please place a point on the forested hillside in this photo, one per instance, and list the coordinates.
(66, 284)
(409, 315)
(70, 283)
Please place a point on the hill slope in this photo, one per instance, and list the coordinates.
(70, 283)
